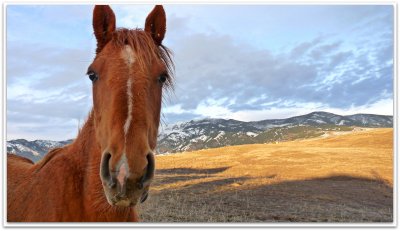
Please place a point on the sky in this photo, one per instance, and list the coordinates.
(243, 62)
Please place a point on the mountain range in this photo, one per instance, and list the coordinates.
(212, 133)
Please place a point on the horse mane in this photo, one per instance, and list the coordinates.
(145, 49)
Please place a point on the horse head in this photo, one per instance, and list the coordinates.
(129, 73)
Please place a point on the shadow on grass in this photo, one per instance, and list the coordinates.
(210, 186)
(336, 198)
(191, 170)
(174, 179)
(174, 175)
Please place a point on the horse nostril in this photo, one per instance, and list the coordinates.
(105, 170)
(149, 172)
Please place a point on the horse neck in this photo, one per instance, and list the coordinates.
(87, 151)
(85, 145)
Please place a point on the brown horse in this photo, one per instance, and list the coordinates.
(107, 170)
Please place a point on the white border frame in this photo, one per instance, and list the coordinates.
(207, 225)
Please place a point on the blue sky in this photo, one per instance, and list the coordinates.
(244, 62)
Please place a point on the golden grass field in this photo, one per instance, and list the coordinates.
(344, 177)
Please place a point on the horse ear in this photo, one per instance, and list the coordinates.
(156, 24)
(103, 25)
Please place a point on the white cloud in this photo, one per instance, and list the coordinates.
(131, 16)
(381, 107)
(212, 111)
(173, 109)
(286, 109)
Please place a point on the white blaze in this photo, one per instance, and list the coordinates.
(130, 102)
(129, 57)
(123, 170)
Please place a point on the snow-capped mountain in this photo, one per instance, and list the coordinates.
(319, 118)
(211, 133)
(33, 150)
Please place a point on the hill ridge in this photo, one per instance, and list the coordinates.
(216, 132)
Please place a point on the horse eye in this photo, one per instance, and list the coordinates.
(162, 78)
(92, 76)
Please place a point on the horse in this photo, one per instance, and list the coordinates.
(107, 170)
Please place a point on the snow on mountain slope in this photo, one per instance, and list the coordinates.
(210, 133)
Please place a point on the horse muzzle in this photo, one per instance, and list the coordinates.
(120, 188)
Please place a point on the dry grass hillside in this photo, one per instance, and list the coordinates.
(338, 178)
